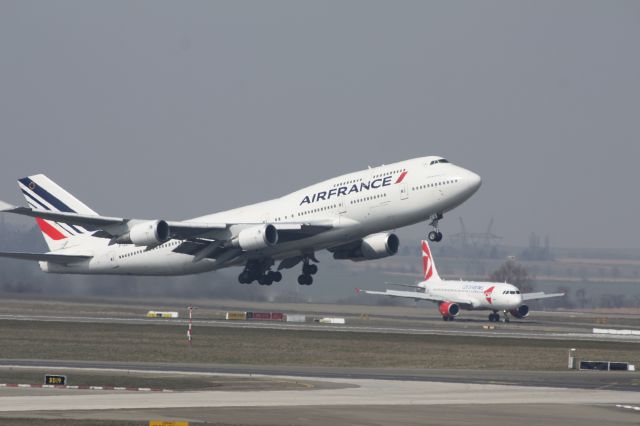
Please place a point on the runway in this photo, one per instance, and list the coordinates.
(374, 395)
(358, 401)
(462, 328)
(619, 381)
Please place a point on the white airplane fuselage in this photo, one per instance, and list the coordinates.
(355, 205)
(482, 295)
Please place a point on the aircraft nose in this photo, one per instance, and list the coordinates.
(473, 181)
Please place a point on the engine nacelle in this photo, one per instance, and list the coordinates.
(257, 237)
(146, 233)
(375, 246)
(448, 309)
(521, 312)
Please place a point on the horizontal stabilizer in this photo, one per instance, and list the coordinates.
(63, 259)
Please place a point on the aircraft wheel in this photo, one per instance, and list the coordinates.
(305, 279)
(433, 236)
(491, 317)
(438, 236)
(277, 276)
(244, 278)
(313, 269)
(265, 280)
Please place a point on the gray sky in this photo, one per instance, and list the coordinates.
(176, 109)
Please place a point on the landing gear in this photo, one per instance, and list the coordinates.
(308, 269)
(447, 318)
(506, 317)
(494, 317)
(261, 272)
(435, 235)
(305, 279)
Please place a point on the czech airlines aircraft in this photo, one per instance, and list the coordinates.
(451, 296)
(349, 215)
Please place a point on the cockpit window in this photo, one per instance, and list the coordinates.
(442, 160)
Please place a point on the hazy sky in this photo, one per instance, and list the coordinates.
(175, 109)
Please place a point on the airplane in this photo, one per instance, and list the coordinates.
(452, 296)
(350, 215)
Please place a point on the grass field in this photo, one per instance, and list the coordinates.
(223, 345)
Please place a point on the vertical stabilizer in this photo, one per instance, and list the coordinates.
(44, 194)
(429, 271)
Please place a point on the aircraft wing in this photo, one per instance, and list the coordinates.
(403, 285)
(91, 222)
(540, 295)
(47, 257)
(416, 296)
(182, 230)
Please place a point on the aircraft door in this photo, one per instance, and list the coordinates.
(112, 259)
(404, 191)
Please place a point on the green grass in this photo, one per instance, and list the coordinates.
(225, 345)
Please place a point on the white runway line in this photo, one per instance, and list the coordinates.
(519, 334)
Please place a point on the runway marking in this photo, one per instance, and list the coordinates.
(628, 407)
(343, 328)
(82, 387)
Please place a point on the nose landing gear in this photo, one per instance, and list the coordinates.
(435, 235)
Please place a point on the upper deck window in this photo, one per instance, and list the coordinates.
(442, 160)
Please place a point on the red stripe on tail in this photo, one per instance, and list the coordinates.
(49, 230)
(427, 261)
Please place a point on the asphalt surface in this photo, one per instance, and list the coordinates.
(364, 401)
(594, 380)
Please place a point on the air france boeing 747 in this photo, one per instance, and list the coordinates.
(349, 215)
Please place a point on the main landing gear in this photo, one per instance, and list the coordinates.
(261, 272)
(495, 316)
(308, 269)
(435, 235)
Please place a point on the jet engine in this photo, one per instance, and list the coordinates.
(257, 237)
(449, 309)
(375, 246)
(521, 312)
(146, 233)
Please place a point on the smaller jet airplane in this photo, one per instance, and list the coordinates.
(451, 295)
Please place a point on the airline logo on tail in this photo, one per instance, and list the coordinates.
(42, 193)
(487, 294)
(427, 261)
